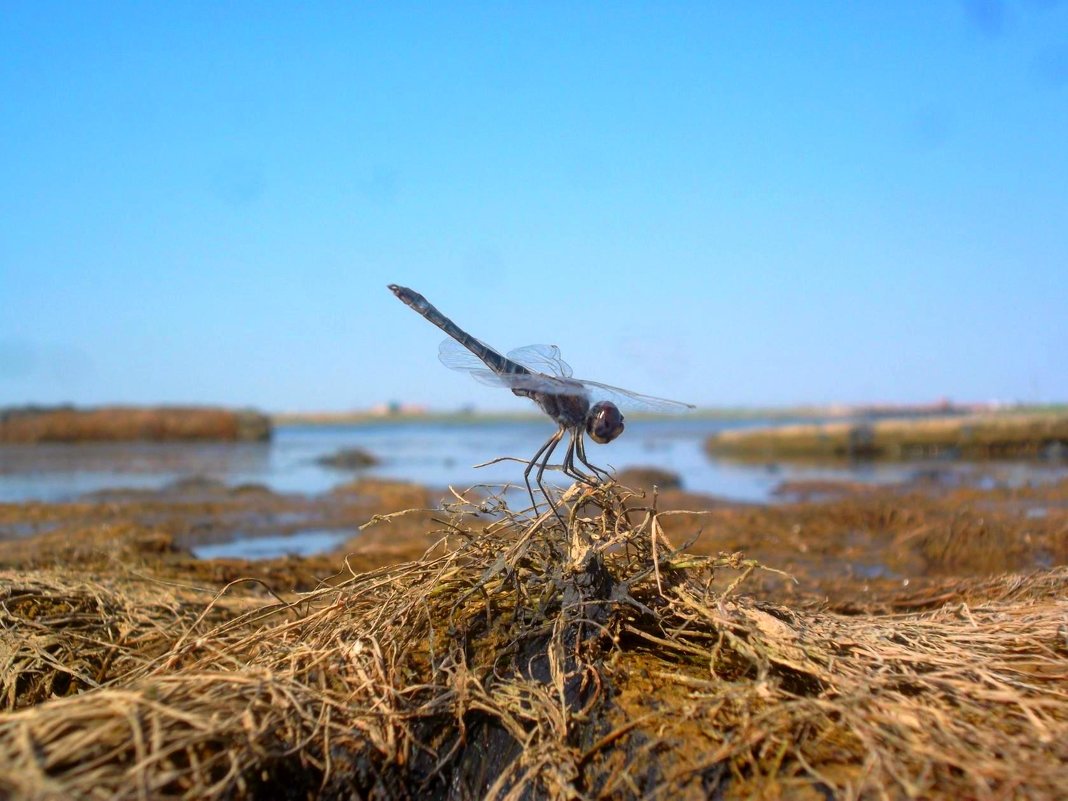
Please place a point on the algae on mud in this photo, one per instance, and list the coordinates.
(517, 658)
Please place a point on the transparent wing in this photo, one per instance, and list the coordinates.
(456, 357)
(484, 375)
(542, 359)
(540, 382)
(633, 400)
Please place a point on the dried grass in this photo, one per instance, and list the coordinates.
(62, 634)
(131, 423)
(520, 659)
(978, 436)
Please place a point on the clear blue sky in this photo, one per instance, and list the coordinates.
(722, 203)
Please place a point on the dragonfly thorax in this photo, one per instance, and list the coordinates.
(570, 411)
(604, 422)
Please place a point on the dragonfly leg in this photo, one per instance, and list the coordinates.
(541, 471)
(550, 445)
(581, 450)
(569, 462)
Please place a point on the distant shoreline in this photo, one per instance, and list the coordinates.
(27, 425)
(776, 413)
(1023, 434)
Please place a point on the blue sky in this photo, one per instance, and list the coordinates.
(762, 204)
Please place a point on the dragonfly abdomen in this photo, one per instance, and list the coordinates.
(491, 358)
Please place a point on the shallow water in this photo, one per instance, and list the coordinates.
(435, 454)
(301, 543)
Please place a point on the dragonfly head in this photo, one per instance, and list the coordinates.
(604, 422)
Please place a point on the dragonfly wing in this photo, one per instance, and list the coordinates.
(531, 382)
(635, 400)
(540, 382)
(484, 375)
(542, 359)
(456, 357)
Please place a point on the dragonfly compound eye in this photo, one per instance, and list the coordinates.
(604, 422)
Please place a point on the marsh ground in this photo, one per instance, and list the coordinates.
(839, 542)
(846, 641)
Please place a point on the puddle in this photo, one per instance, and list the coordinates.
(302, 543)
(876, 571)
(14, 531)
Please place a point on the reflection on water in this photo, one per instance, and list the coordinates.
(432, 453)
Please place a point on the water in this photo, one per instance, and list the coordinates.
(303, 543)
(436, 454)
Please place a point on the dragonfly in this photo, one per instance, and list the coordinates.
(578, 407)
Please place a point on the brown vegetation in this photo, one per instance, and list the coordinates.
(972, 437)
(881, 548)
(151, 532)
(123, 423)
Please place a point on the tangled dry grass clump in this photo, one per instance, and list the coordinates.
(522, 658)
(62, 634)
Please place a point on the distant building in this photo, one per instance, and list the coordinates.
(394, 407)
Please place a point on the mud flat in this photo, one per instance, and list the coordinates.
(970, 437)
(641, 650)
(128, 423)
